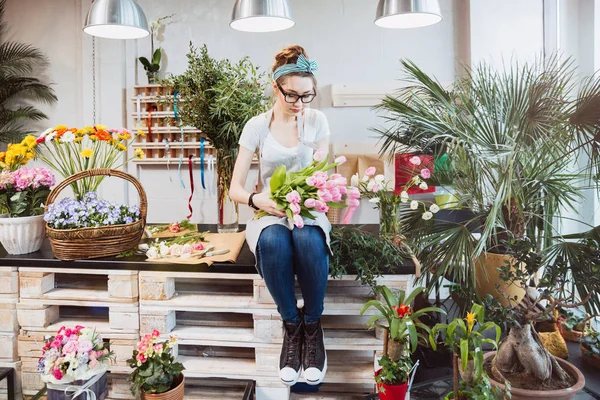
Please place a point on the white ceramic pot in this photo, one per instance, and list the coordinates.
(22, 235)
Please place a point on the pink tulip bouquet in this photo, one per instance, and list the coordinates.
(310, 190)
(74, 354)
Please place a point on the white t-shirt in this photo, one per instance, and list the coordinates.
(257, 137)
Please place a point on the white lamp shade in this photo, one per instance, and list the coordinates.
(404, 14)
(116, 19)
(261, 15)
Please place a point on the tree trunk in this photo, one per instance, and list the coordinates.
(523, 353)
(395, 349)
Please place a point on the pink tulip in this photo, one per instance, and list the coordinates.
(330, 184)
(425, 173)
(310, 181)
(341, 181)
(298, 221)
(334, 177)
(324, 195)
(370, 171)
(320, 178)
(295, 208)
(293, 197)
(375, 188)
(155, 333)
(309, 203)
(198, 246)
(58, 375)
(353, 192)
(321, 206)
(343, 189)
(340, 160)
(353, 202)
(319, 155)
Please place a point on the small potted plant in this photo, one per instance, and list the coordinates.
(75, 361)
(392, 378)
(590, 348)
(402, 331)
(572, 323)
(153, 66)
(155, 374)
(465, 340)
(22, 193)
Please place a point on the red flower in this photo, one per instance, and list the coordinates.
(402, 310)
(40, 140)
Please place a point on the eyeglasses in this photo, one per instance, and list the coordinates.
(293, 98)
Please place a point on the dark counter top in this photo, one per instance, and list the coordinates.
(44, 258)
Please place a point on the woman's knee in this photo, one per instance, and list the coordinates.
(309, 240)
(274, 238)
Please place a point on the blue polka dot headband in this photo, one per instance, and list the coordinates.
(302, 65)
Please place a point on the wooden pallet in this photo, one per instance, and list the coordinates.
(3, 384)
(9, 292)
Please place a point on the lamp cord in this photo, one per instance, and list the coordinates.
(94, 78)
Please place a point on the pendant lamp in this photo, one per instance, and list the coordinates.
(116, 19)
(403, 14)
(261, 15)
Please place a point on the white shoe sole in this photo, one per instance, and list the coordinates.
(292, 382)
(313, 383)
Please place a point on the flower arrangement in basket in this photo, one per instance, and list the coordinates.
(72, 150)
(155, 374)
(75, 361)
(91, 227)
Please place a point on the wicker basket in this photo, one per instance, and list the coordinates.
(334, 215)
(85, 243)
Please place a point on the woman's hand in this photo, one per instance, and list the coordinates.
(265, 203)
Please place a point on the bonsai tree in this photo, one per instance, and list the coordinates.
(521, 355)
(466, 341)
(508, 141)
(19, 87)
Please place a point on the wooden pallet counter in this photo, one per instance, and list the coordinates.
(226, 321)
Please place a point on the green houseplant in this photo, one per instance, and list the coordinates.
(153, 66)
(402, 331)
(510, 139)
(466, 341)
(590, 348)
(155, 373)
(219, 97)
(19, 87)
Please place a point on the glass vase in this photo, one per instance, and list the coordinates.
(227, 209)
(389, 218)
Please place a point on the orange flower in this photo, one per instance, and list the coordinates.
(60, 132)
(103, 135)
(402, 310)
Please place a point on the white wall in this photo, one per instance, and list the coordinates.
(339, 34)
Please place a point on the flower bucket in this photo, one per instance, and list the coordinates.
(176, 393)
(391, 392)
(22, 235)
(94, 388)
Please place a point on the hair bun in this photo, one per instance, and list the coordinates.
(289, 55)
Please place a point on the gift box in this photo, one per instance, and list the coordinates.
(404, 171)
(95, 388)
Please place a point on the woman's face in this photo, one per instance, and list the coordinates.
(291, 92)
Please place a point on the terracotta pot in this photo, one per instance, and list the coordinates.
(22, 235)
(589, 357)
(467, 375)
(561, 394)
(487, 276)
(174, 394)
(391, 392)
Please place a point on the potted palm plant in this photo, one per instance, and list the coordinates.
(466, 341)
(402, 331)
(219, 97)
(511, 138)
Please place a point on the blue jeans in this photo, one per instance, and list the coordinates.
(302, 251)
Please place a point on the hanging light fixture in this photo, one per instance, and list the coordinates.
(261, 15)
(116, 19)
(401, 14)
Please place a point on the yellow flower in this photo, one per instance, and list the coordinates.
(141, 133)
(81, 132)
(124, 136)
(29, 141)
(3, 156)
(93, 137)
(470, 321)
(101, 127)
(121, 147)
(139, 154)
(78, 139)
(86, 153)
(59, 127)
